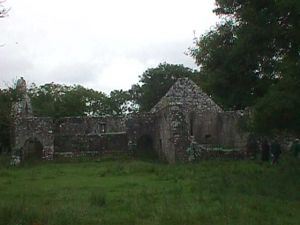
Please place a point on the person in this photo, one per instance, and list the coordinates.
(295, 148)
(265, 150)
(275, 151)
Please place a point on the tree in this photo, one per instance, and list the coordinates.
(279, 109)
(229, 67)
(155, 82)
(251, 54)
(7, 97)
(120, 102)
(3, 10)
(57, 100)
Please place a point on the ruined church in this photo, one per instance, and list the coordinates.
(184, 116)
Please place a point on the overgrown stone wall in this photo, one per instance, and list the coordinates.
(184, 115)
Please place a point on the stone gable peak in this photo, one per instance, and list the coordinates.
(189, 95)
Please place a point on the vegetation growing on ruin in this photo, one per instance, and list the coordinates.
(137, 192)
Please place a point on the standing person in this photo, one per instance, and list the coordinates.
(265, 150)
(296, 148)
(276, 151)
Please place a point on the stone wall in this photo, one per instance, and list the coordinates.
(101, 144)
(189, 95)
(184, 115)
(163, 136)
(90, 135)
(89, 125)
(140, 127)
(229, 128)
(187, 114)
(170, 129)
(34, 128)
(218, 129)
(70, 136)
(166, 128)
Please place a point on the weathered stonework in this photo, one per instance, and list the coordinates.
(22, 108)
(190, 96)
(39, 129)
(187, 114)
(184, 115)
(89, 135)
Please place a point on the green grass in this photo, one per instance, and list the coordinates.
(136, 192)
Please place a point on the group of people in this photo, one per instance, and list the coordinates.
(269, 149)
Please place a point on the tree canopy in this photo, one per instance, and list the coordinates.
(57, 100)
(7, 98)
(251, 58)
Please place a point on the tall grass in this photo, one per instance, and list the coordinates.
(137, 192)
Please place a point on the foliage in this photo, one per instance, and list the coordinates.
(155, 82)
(57, 100)
(250, 55)
(135, 192)
(228, 74)
(121, 102)
(280, 109)
(7, 98)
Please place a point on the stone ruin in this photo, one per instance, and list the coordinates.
(184, 118)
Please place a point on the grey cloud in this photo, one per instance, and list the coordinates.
(12, 65)
(102, 50)
(170, 52)
(73, 73)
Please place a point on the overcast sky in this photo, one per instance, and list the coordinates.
(101, 44)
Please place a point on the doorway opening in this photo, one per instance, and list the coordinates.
(32, 149)
(145, 148)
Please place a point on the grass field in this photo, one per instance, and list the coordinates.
(136, 192)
